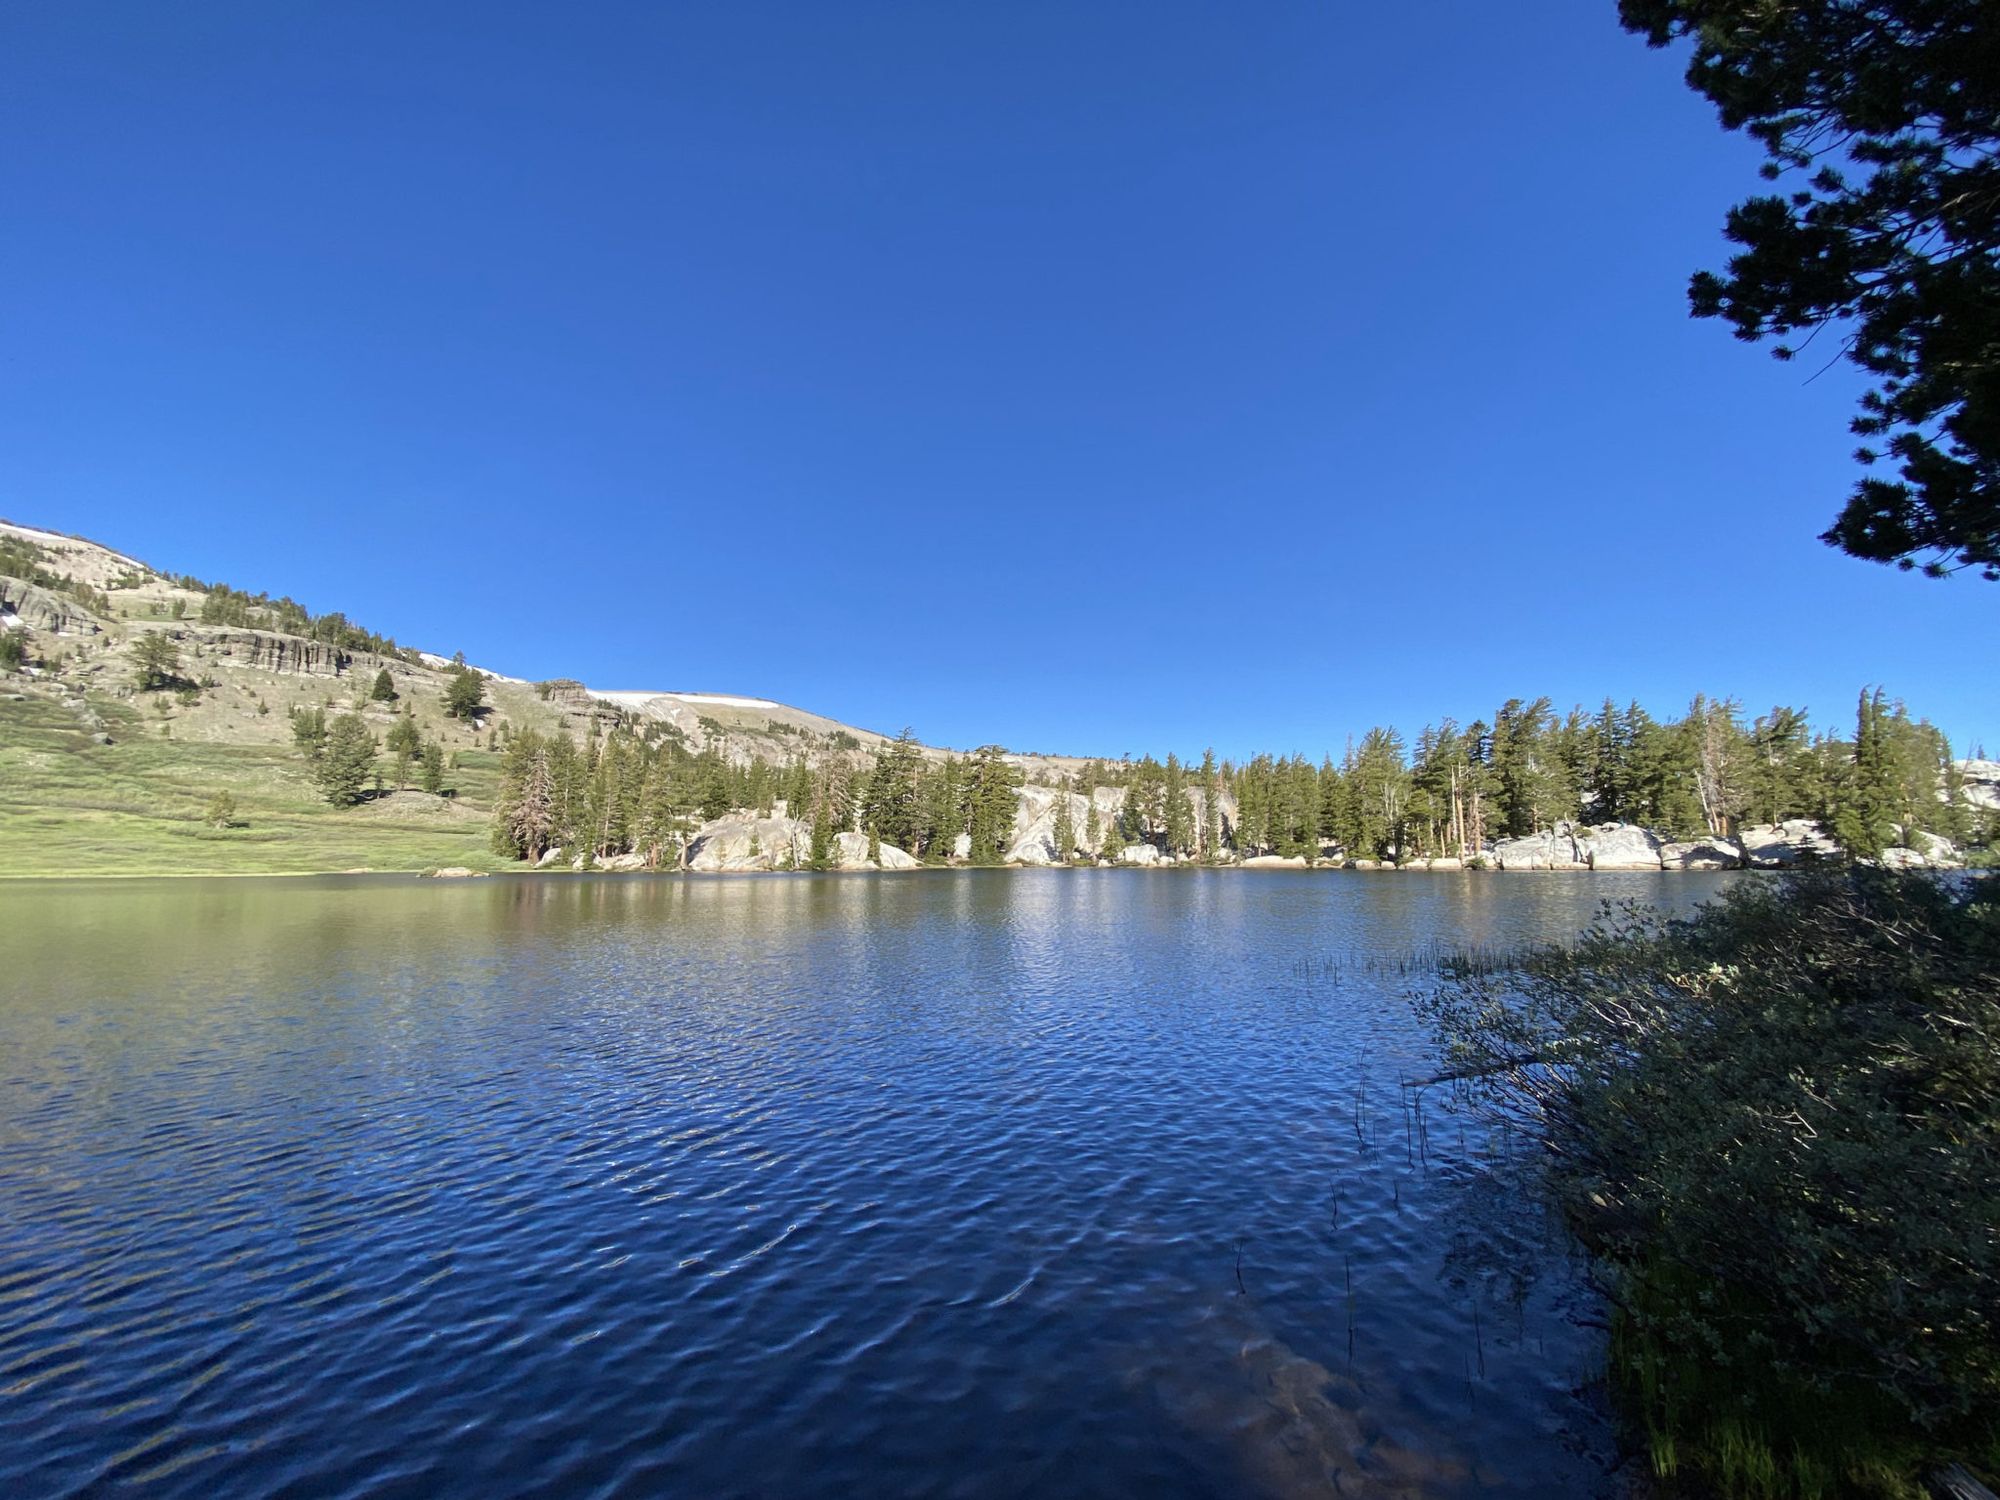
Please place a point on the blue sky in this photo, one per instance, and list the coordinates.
(1085, 377)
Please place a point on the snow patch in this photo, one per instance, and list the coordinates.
(445, 664)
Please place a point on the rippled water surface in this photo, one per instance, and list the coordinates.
(980, 1183)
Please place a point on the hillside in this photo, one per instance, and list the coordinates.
(154, 723)
(98, 777)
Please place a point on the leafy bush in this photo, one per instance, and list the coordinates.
(1776, 1122)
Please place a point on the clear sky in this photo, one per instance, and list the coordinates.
(1084, 377)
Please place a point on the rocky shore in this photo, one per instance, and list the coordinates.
(746, 843)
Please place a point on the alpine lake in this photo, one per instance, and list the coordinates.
(953, 1183)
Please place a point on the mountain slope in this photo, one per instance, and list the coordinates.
(97, 776)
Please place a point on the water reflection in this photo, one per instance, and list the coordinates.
(969, 1183)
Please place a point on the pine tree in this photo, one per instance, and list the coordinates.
(944, 810)
(384, 690)
(993, 795)
(404, 744)
(156, 661)
(1093, 825)
(1863, 819)
(1177, 815)
(889, 798)
(464, 694)
(1065, 829)
(309, 731)
(713, 784)
(798, 789)
(1112, 842)
(1211, 809)
(430, 775)
(525, 811)
(1781, 767)
(824, 831)
(346, 768)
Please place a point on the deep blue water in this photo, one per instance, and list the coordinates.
(972, 1183)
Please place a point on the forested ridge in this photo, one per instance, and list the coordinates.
(644, 788)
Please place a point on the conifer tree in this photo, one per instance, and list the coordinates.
(309, 731)
(156, 661)
(525, 811)
(1112, 842)
(1177, 813)
(430, 774)
(1863, 820)
(889, 798)
(992, 798)
(821, 855)
(1782, 769)
(1211, 809)
(464, 694)
(713, 786)
(944, 810)
(384, 690)
(346, 767)
(1065, 829)
(404, 744)
(798, 789)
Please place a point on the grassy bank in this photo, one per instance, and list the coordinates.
(70, 805)
(1774, 1124)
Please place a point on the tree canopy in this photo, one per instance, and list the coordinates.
(1888, 111)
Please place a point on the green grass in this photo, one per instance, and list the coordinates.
(71, 806)
(1734, 1423)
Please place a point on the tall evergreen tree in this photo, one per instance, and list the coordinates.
(1065, 829)
(464, 694)
(1211, 808)
(347, 765)
(404, 743)
(430, 771)
(1864, 816)
(992, 798)
(1887, 113)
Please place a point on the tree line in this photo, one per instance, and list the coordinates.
(223, 605)
(642, 790)
(1526, 770)
(1529, 769)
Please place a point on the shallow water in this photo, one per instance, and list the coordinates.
(971, 1183)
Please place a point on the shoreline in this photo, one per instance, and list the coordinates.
(1156, 869)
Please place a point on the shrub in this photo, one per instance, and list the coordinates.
(221, 811)
(1774, 1120)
